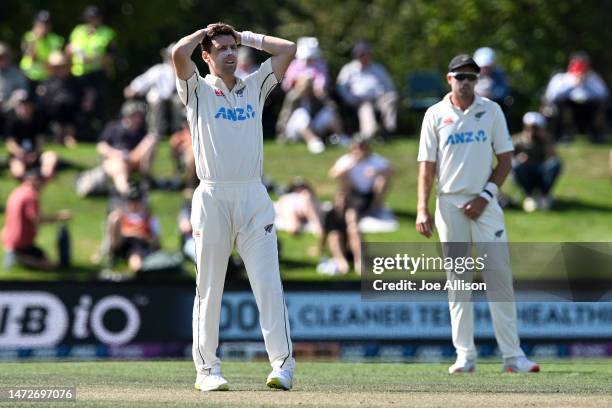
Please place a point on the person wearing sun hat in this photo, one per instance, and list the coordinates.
(492, 80)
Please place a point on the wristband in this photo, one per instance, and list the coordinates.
(490, 191)
(250, 39)
(486, 196)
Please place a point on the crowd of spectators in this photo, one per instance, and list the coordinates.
(59, 91)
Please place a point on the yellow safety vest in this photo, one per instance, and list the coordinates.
(88, 49)
(35, 68)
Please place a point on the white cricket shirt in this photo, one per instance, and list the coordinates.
(362, 174)
(226, 124)
(462, 144)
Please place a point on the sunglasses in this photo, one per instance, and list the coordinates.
(462, 76)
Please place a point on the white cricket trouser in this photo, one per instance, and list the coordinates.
(488, 232)
(240, 214)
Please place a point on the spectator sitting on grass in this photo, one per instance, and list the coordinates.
(308, 61)
(132, 230)
(367, 87)
(578, 97)
(24, 131)
(363, 177)
(536, 164)
(342, 237)
(126, 147)
(297, 208)
(308, 114)
(182, 152)
(158, 86)
(23, 217)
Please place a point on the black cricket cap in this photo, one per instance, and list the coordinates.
(462, 60)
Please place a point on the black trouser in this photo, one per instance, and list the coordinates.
(583, 116)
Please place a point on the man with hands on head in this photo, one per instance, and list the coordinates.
(231, 206)
(459, 136)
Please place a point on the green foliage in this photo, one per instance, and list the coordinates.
(533, 37)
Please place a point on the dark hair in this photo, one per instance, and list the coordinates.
(298, 183)
(216, 30)
(581, 56)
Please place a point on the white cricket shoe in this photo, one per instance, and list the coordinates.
(462, 366)
(520, 365)
(211, 382)
(280, 379)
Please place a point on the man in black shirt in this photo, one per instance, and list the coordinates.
(126, 147)
(24, 130)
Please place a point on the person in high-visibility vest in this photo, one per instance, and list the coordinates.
(37, 44)
(91, 44)
(91, 48)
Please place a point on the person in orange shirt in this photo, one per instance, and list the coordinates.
(133, 231)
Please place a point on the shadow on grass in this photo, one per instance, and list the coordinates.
(81, 273)
(295, 264)
(565, 205)
(66, 164)
(404, 215)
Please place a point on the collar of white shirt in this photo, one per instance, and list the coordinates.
(218, 83)
(477, 101)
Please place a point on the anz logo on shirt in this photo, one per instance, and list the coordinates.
(237, 114)
(466, 138)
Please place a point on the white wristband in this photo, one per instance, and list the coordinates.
(250, 39)
(490, 191)
(486, 196)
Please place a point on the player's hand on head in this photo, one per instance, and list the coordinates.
(473, 209)
(424, 223)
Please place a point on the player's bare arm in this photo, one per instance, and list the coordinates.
(181, 54)
(474, 208)
(424, 222)
(282, 51)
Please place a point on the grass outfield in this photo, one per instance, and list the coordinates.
(317, 384)
(583, 211)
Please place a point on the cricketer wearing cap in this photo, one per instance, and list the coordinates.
(231, 207)
(459, 137)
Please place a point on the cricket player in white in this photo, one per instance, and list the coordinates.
(459, 136)
(231, 206)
